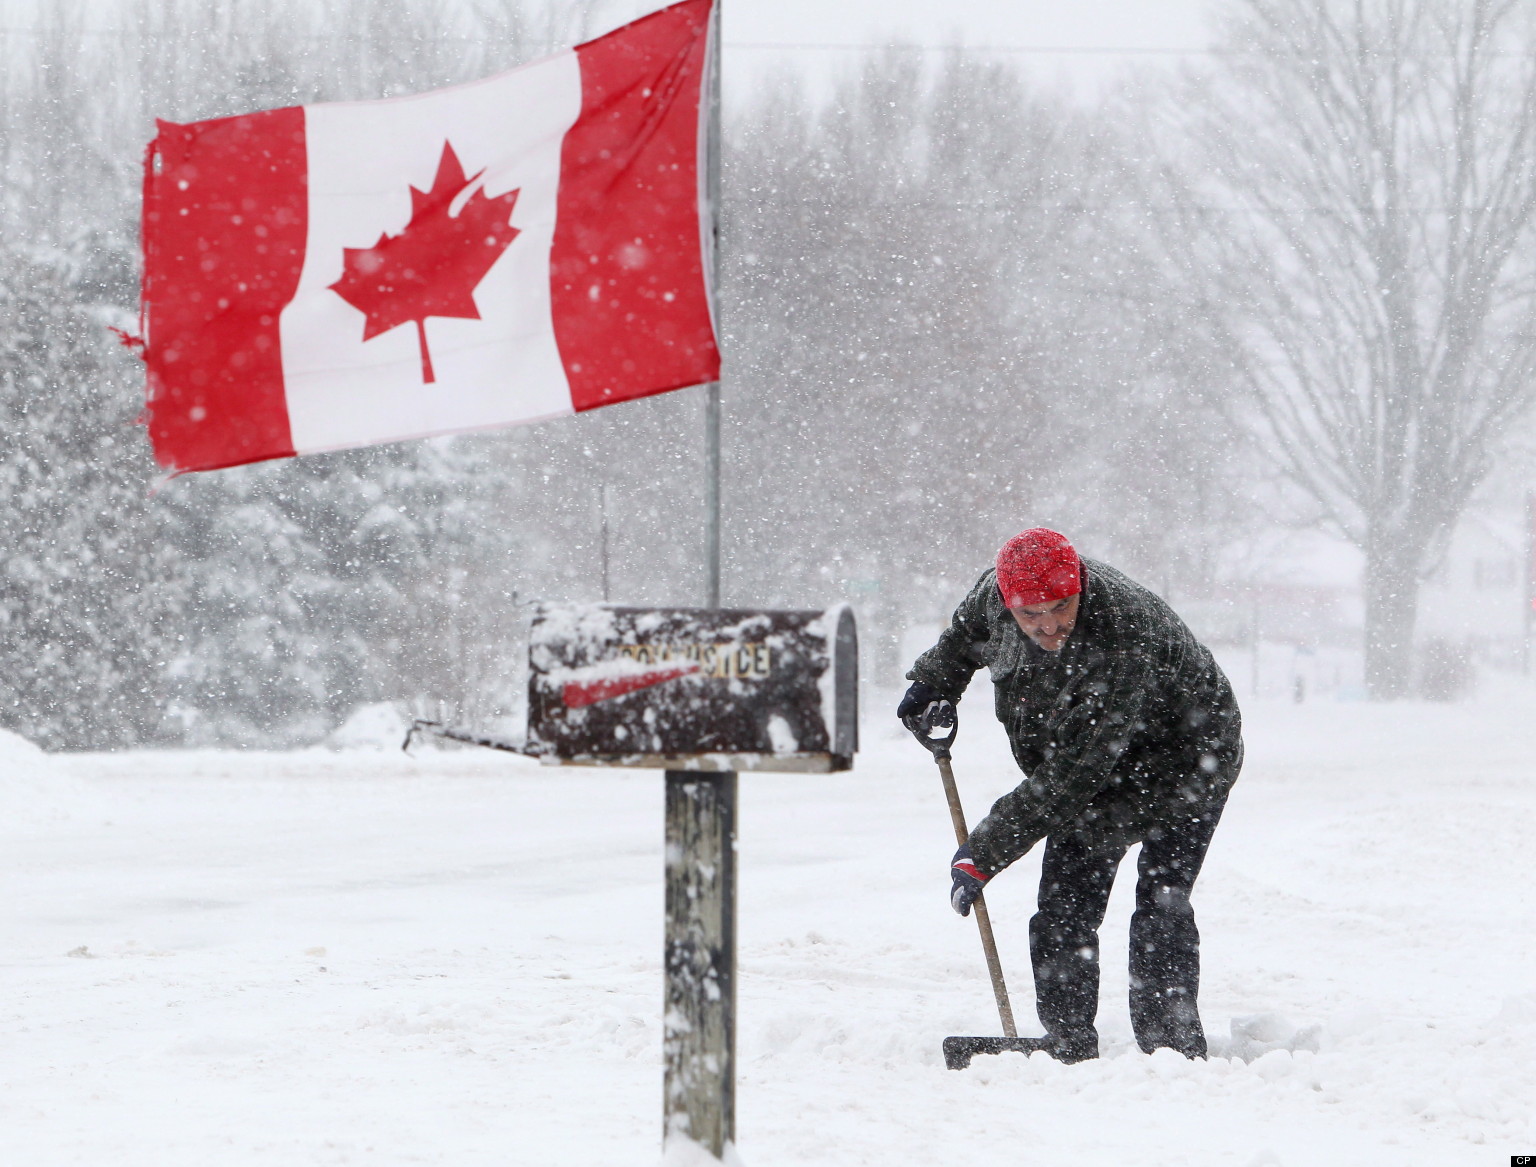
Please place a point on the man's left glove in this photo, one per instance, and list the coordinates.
(924, 710)
(968, 881)
(917, 700)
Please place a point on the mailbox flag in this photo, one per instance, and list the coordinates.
(501, 252)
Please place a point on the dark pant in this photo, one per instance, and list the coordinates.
(1075, 880)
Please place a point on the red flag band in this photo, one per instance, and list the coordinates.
(578, 694)
(496, 253)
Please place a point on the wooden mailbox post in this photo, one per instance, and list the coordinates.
(702, 694)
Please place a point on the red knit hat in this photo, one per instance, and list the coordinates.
(1038, 566)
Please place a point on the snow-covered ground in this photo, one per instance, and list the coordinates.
(358, 957)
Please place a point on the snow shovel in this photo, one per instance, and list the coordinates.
(958, 1051)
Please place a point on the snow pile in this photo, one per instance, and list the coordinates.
(370, 727)
(1253, 1037)
(681, 1151)
(34, 787)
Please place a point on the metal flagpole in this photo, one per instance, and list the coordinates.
(699, 957)
(712, 390)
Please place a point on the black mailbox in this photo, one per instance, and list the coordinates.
(693, 689)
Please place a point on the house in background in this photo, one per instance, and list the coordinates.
(1293, 625)
(1478, 597)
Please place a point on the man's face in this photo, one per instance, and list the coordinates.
(1048, 625)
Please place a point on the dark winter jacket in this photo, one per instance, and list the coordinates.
(1129, 725)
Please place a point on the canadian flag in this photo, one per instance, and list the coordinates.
(502, 252)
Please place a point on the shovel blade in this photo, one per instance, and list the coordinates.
(958, 1051)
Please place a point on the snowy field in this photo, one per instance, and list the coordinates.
(358, 957)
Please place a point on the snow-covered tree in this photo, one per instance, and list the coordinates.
(88, 593)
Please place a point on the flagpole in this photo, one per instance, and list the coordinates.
(712, 495)
(712, 390)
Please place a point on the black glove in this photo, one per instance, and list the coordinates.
(924, 710)
(968, 881)
(917, 700)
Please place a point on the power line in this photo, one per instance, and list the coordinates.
(799, 46)
(231, 34)
(1061, 50)
(749, 46)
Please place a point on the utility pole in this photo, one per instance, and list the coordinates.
(1528, 599)
(602, 535)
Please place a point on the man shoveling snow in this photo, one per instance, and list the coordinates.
(1127, 731)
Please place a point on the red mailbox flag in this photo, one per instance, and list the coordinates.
(506, 251)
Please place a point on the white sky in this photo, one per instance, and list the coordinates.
(1076, 43)
(1081, 43)
(1097, 24)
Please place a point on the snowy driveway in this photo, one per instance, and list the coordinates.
(318, 958)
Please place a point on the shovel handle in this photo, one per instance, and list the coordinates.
(979, 906)
(952, 796)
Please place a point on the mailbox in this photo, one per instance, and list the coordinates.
(693, 689)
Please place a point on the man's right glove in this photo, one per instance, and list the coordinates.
(968, 881)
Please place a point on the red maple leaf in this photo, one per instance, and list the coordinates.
(433, 267)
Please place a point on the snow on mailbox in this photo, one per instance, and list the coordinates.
(693, 688)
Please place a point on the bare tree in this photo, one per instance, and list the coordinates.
(1364, 200)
